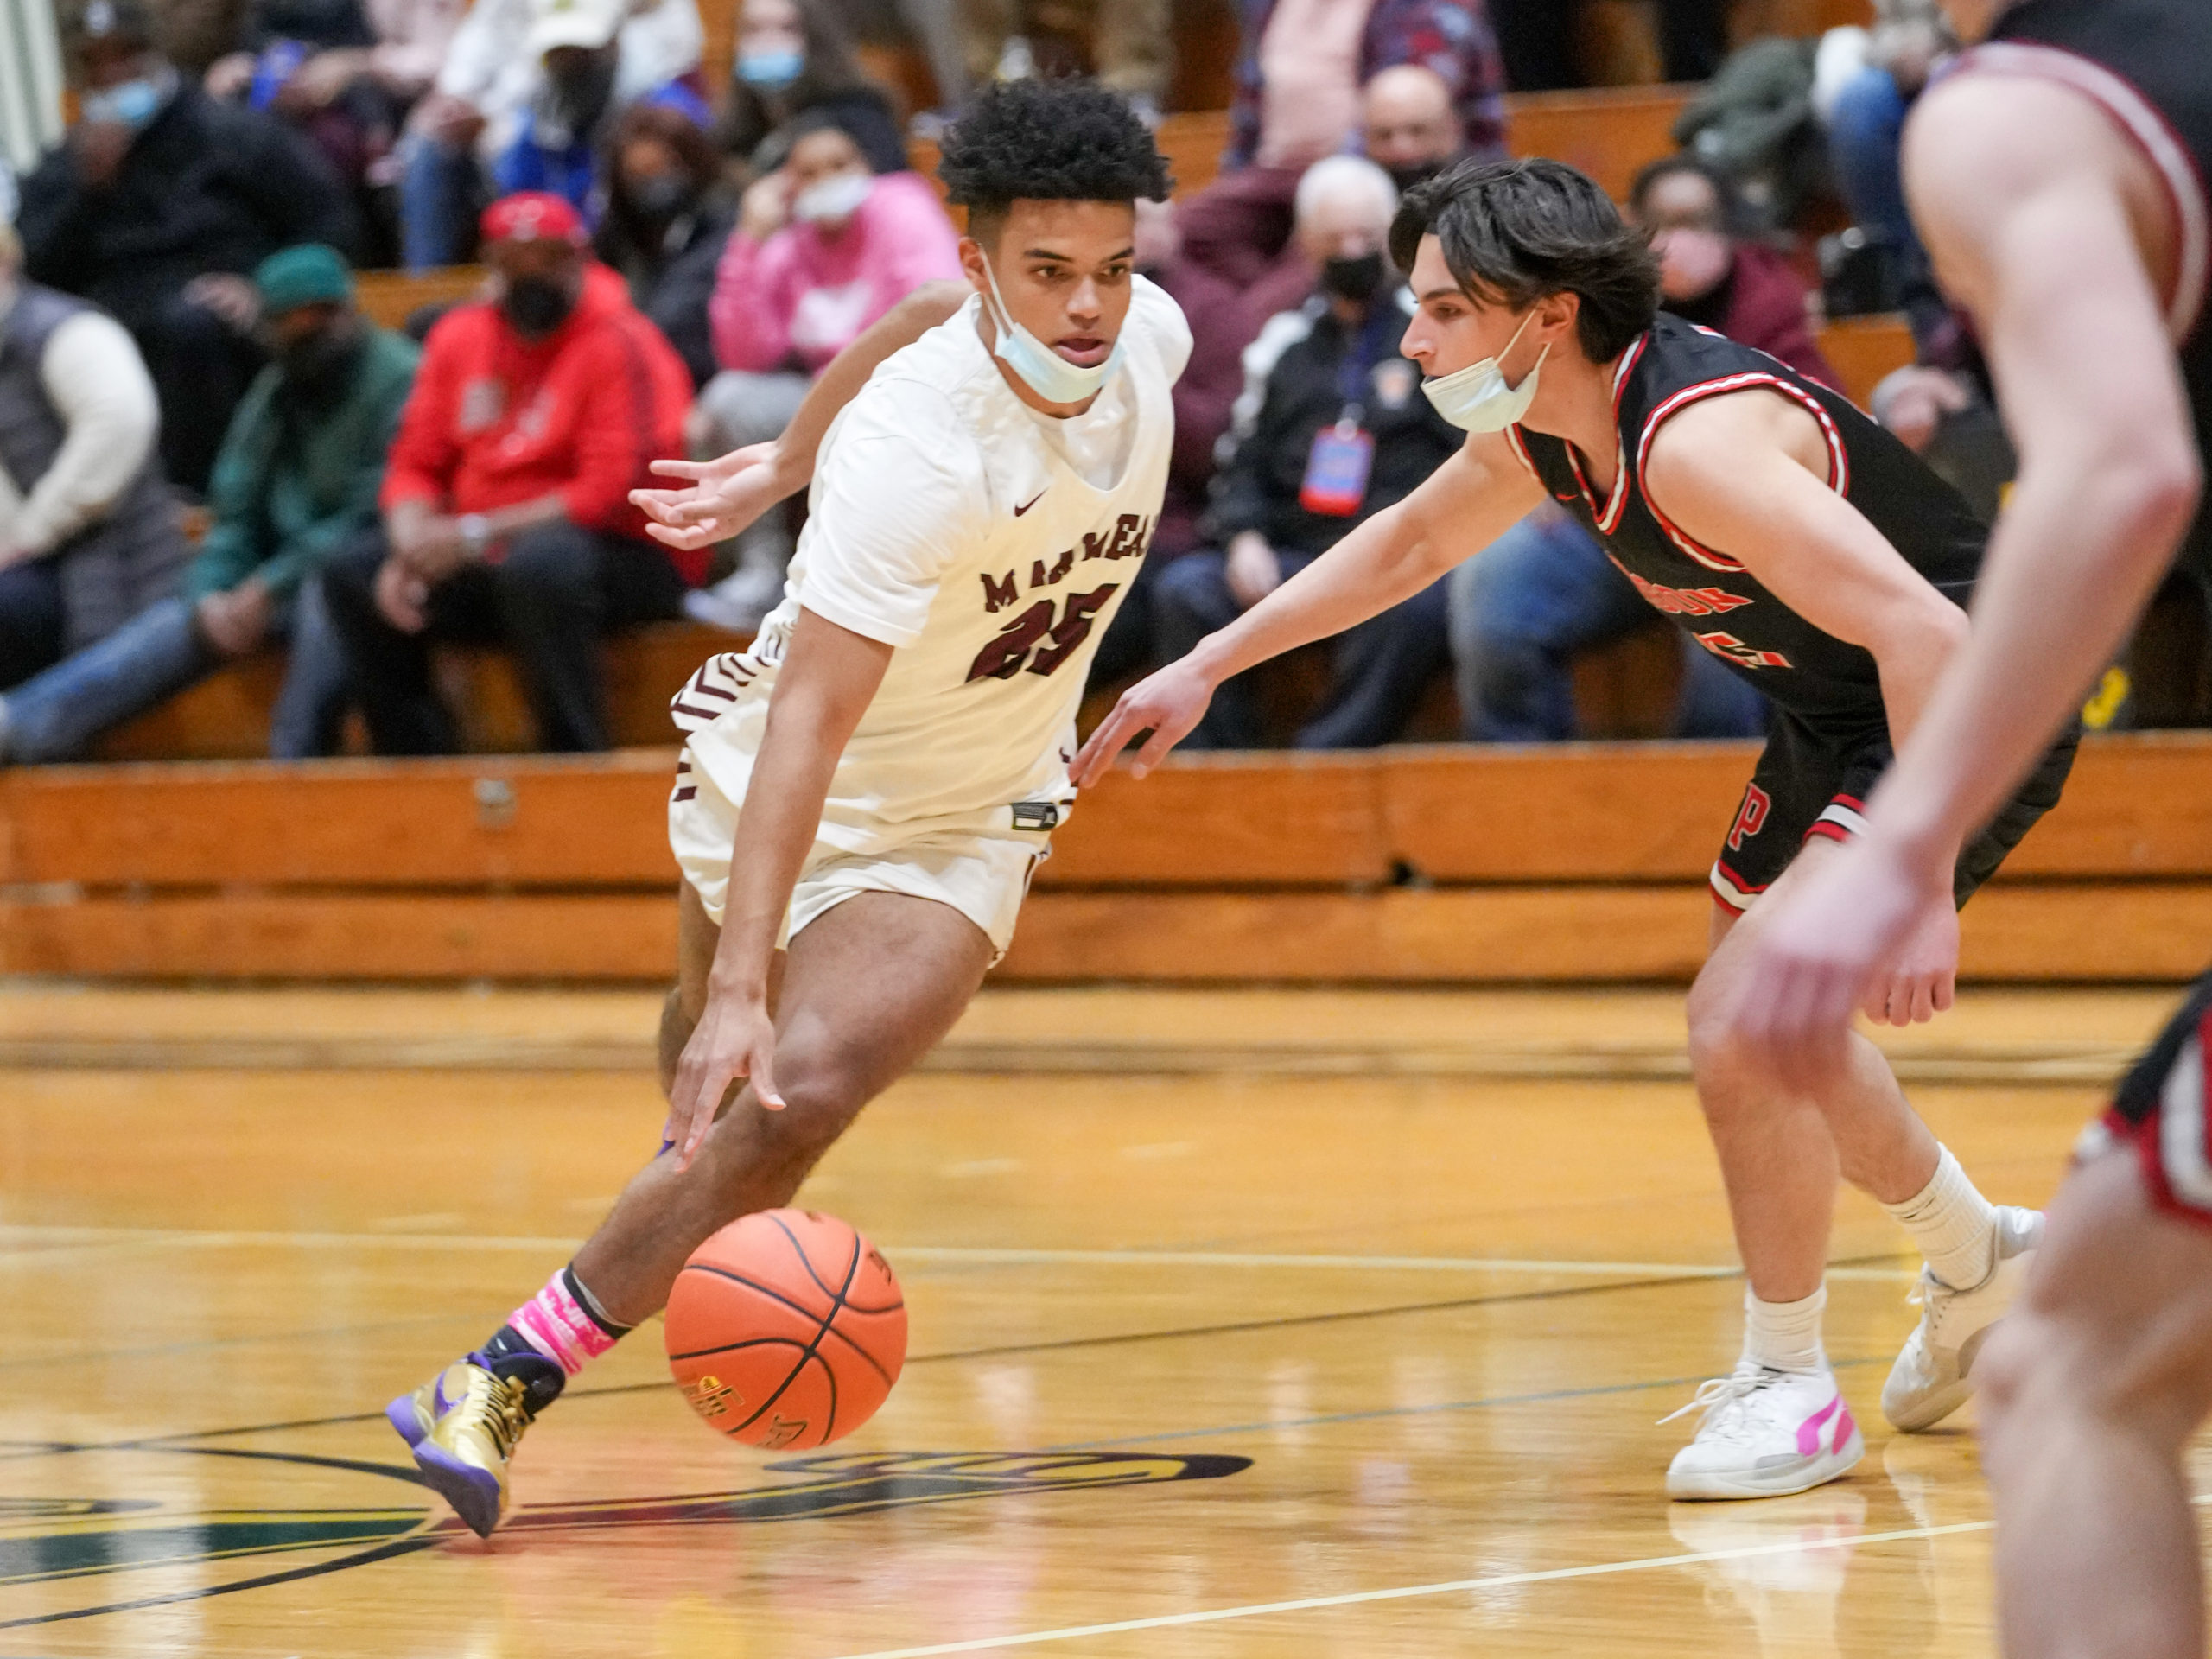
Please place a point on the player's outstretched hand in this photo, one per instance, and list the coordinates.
(723, 497)
(1168, 704)
(1866, 931)
(735, 1040)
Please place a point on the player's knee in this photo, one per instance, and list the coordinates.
(1720, 1059)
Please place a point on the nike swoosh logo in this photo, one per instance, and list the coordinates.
(1032, 501)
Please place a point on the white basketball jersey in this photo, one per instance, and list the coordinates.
(950, 520)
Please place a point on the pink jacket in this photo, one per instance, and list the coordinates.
(801, 295)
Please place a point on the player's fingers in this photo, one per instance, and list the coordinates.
(1096, 755)
(1946, 991)
(685, 536)
(1155, 750)
(1923, 998)
(693, 469)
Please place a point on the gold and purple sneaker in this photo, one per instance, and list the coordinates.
(463, 1426)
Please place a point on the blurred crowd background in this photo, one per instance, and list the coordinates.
(211, 451)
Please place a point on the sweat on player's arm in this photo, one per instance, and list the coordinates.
(726, 495)
(1462, 508)
(829, 675)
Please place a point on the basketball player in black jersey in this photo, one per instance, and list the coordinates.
(2058, 176)
(1815, 556)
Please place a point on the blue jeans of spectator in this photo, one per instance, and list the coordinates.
(441, 191)
(56, 715)
(1383, 665)
(1866, 139)
(1521, 607)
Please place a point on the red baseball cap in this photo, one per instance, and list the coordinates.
(533, 216)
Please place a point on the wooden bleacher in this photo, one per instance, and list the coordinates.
(1577, 864)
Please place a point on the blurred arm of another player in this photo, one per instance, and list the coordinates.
(1746, 473)
(728, 493)
(829, 675)
(1464, 505)
(2057, 236)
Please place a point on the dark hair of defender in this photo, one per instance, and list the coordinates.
(1064, 140)
(1515, 232)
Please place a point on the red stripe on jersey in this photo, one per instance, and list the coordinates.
(1829, 830)
(1513, 438)
(1839, 459)
(2143, 123)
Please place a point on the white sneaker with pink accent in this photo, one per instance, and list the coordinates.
(1765, 1433)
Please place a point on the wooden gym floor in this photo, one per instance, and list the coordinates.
(1249, 1323)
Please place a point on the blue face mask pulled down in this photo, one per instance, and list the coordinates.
(770, 70)
(1477, 399)
(1041, 368)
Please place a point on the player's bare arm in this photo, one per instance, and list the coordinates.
(829, 675)
(1748, 474)
(2055, 234)
(728, 493)
(1463, 507)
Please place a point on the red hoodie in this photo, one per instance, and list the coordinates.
(496, 420)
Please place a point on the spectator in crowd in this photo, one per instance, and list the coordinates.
(795, 59)
(484, 95)
(1407, 126)
(1538, 38)
(88, 532)
(1305, 61)
(153, 207)
(1545, 590)
(297, 479)
(346, 73)
(1865, 118)
(1331, 428)
(824, 247)
(506, 512)
(560, 141)
(1131, 45)
(668, 219)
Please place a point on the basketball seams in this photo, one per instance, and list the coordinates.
(805, 1260)
(783, 1300)
(813, 1348)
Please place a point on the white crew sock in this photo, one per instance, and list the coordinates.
(1785, 1336)
(1951, 1223)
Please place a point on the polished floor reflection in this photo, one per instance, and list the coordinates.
(1277, 1355)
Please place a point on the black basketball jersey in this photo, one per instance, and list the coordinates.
(2148, 64)
(1710, 594)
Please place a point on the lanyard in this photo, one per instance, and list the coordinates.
(1367, 349)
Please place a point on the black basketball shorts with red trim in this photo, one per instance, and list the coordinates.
(2159, 1113)
(1815, 781)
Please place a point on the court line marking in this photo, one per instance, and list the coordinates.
(1411, 1591)
(43, 1242)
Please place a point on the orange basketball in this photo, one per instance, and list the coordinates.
(786, 1329)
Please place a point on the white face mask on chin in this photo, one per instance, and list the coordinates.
(1477, 399)
(1041, 368)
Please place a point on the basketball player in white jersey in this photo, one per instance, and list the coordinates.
(868, 790)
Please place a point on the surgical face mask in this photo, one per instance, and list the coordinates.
(1477, 399)
(132, 104)
(833, 200)
(770, 69)
(1043, 370)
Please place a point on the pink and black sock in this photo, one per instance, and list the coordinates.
(550, 1337)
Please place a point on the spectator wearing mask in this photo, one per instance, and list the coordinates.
(1130, 46)
(795, 59)
(560, 143)
(506, 512)
(1331, 428)
(1526, 604)
(1299, 84)
(153, 207)
(485, 89)
(88, 532)
(824, 247)
(1409, 128)
(296, 481)
(668, 219)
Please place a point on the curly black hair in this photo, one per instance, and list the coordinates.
(1062, 140)
(1515, 232)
